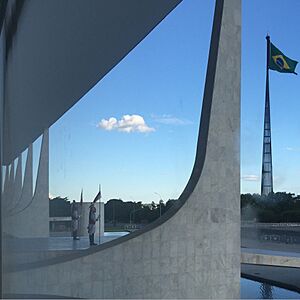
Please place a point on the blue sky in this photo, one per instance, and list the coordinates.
(281, 22)
(162, 81)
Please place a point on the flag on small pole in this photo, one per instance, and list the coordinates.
(81, 202)
(81, 197)
(98, 196)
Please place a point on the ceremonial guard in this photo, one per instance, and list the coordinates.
(92, 224)
(75, 220)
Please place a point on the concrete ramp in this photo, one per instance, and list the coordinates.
(270, 258)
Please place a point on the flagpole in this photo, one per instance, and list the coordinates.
(80, 216)
(267, 185)
(99, 211)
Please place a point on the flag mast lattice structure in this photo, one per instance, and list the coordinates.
(267, 168)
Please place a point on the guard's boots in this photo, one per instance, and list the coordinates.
(92, 240)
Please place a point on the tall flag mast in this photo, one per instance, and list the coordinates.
(267, 168)
(276, 61)
(80, 212)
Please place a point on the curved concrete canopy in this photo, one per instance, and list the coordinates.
(57, 50)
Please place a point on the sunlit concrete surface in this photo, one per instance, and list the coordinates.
(269, 257)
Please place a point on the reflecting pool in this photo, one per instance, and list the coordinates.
(255, 290)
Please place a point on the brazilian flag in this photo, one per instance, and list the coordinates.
(281, 63)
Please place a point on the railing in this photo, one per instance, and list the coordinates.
(273, 236)
(255, 224)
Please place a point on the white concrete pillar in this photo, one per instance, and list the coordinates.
(84, 219)
(17, 185)
(10, 188)
(101, 208)
(27, 189)
(31, 217)
(5, 186)
(40, 204)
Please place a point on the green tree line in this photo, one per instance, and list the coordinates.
(116, 210)
(275, 208)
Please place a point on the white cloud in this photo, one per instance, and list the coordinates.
(250, 178)
(109, 124)
(292, 149)
(170, 120)
(128, 123)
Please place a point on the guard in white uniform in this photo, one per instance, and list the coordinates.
(92, 224)
(75, 220)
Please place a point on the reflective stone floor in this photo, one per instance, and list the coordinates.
(57, 243)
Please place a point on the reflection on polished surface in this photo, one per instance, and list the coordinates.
(58, 243)
(255, 290)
